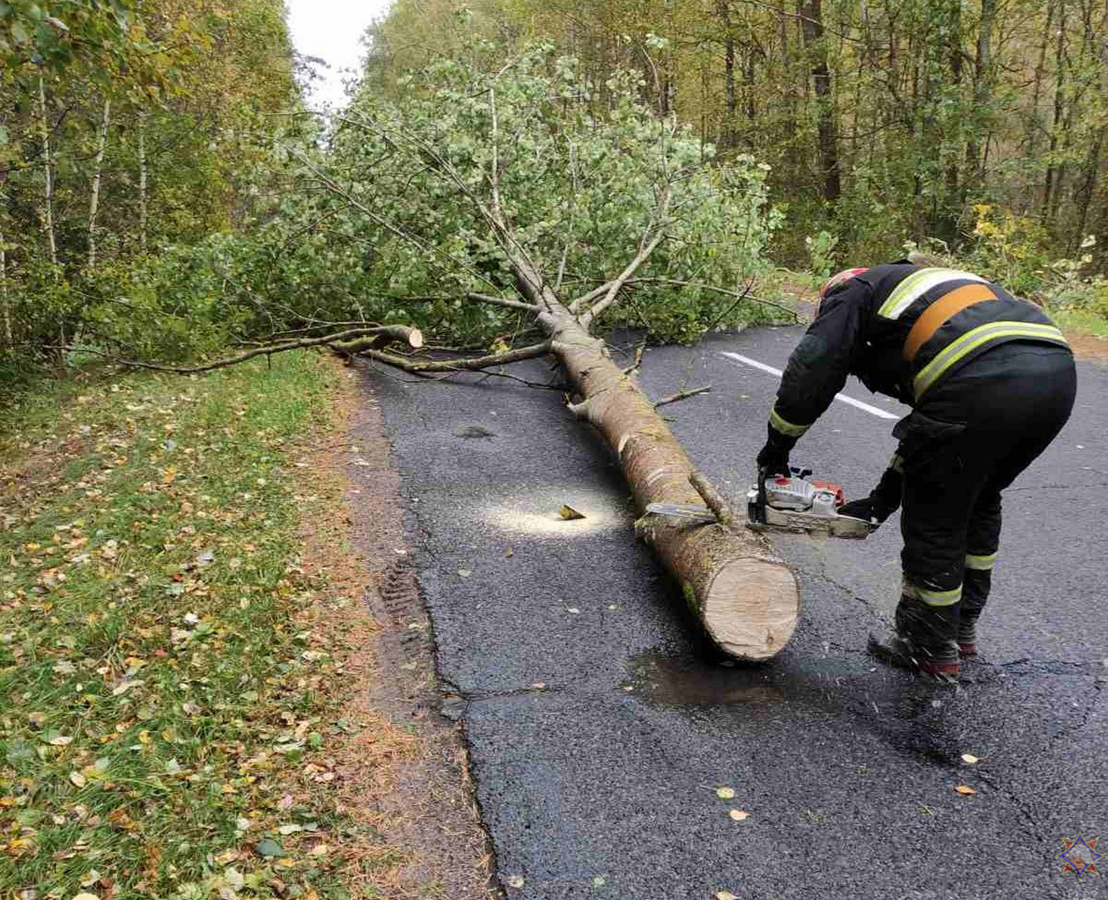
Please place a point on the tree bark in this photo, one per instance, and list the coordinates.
(812, 29)
(51, 241)
(745, 596)
(1053, 175)
(982, 93)
(742, 592)
(97, 172)
(142, 179)
(5, 307)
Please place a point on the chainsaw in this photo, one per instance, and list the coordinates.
(784, 503)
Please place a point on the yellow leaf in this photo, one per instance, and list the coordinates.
(168, 474)
(970, 759)
(725, 793)
(568, 512)
(79, 780)
(965, 789)
(739, 815)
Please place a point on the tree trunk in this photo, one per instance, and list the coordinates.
(1053, 177)
(745, 596)
(812, 29)
(142, 180)
(729, 89)
(48, 213)
(5, 308)
(952, 202)
(982, 93)
(97, 172)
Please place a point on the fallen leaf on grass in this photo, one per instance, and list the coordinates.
(965, 790)
(970, 759)
(568, 513)
(78, 779)
(84, 895)
(268, 848)
(725, 793)
(725, 895)
(516, 881)
(739, 815)
(465, 573)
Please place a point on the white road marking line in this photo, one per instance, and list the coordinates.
(746, 360)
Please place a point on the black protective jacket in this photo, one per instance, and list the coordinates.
(901, 329)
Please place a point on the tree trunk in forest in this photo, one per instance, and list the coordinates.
(827, 129)
(142, 179)
(1053, 176)
(5, 308)
(730, 102)
(97, 172)
(982, 94)
(952, 202)
(48, 215)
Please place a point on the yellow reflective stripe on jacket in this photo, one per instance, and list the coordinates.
(971, 340)
(932, 598)
(981, 563)
(916, 285)
(784, 426)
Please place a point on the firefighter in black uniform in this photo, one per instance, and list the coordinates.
(991, 381)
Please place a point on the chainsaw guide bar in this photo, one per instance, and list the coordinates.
(783, 503)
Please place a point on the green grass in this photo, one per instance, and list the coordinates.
(1078, 320)
(157, 698)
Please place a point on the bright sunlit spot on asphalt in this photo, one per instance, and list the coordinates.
(543, 518)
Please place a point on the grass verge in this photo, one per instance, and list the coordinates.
(166, 710)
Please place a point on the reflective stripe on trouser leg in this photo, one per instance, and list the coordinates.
(930, 596)
(980, 562)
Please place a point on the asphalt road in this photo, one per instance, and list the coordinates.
(600, 730)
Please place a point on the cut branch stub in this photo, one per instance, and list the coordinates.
(385, 335)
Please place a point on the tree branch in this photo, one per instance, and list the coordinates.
(642, 256)
(267, 350)
(682, 395)
(468, 364)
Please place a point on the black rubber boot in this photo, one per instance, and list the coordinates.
(924, 641)
(975, 593)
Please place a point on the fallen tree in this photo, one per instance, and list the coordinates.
(458, 210)
(745, 596)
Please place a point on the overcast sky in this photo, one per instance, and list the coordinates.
(332, 30)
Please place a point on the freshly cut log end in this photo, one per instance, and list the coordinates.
(744, 595)
(750, 608)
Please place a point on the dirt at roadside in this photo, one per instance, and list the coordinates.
(402, 771)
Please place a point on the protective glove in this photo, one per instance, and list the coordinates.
(773, 461)
(773, 458)
(868, 509)
(881, 503)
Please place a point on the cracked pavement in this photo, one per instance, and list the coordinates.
(600, 726)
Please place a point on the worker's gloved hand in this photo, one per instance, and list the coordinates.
(869, 509)
(773, 460)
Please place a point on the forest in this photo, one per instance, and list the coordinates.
(166, 193)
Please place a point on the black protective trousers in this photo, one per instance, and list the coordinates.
(966, 441)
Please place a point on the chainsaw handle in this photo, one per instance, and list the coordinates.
(760, 503)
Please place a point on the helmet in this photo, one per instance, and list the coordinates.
(840, 278)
